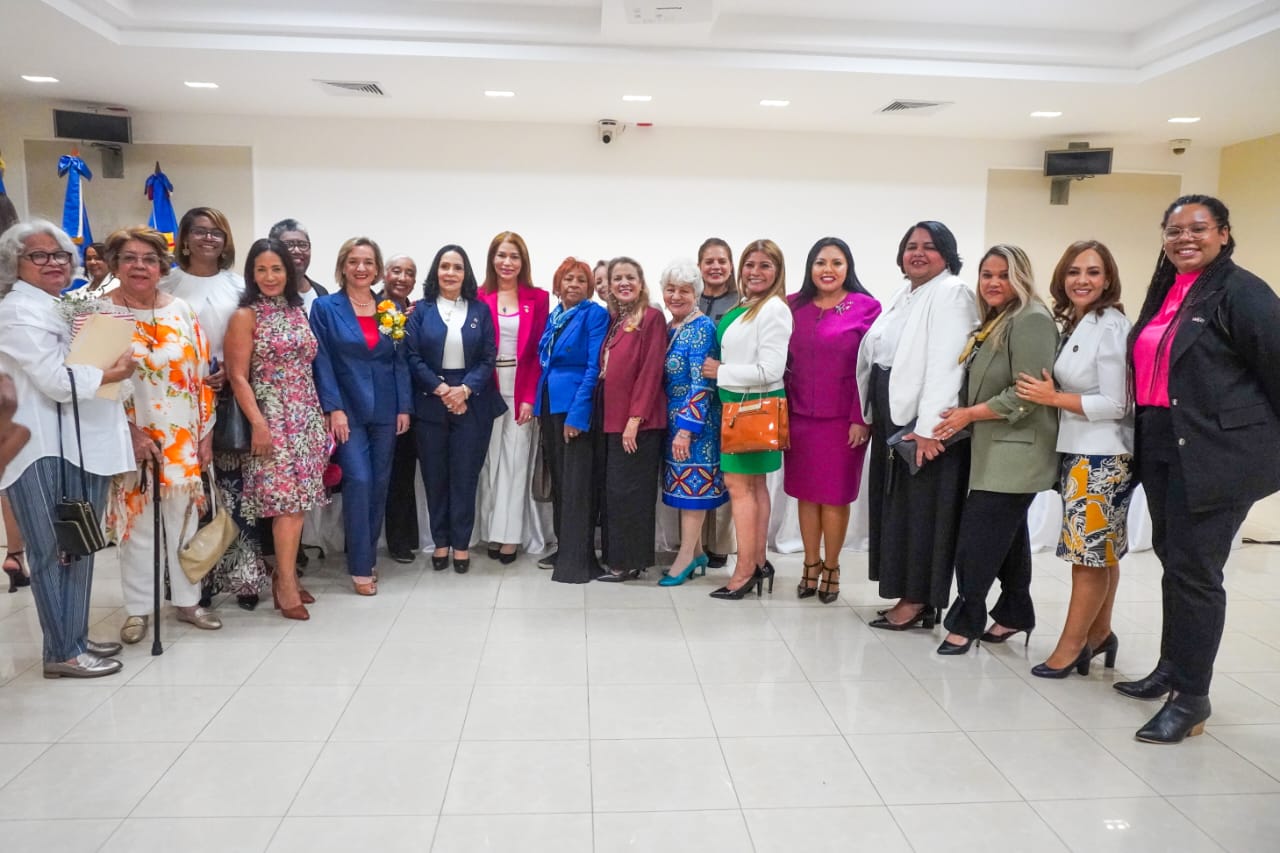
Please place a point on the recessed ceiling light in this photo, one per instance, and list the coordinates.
(770, 102)
(638, 98)
(1046, 114)
(36, 78)
(1184, 119)
(498, 93)
(196, 84)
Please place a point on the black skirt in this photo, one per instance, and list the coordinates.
(914, 519)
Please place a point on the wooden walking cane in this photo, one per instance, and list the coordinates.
(156, 648)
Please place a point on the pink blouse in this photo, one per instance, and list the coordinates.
(1150, 361)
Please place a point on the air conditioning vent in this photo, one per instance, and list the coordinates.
(352, 88)
(915, 107)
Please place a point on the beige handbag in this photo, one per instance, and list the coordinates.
(199, 554)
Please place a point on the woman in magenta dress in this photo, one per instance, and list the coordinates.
(270, 348)
(823, 468)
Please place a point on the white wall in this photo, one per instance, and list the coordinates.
(654, 194)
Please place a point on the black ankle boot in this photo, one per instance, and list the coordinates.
(1181, 717)
(1155, 685)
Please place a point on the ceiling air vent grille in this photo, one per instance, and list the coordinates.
(919, 108)
(352, 88)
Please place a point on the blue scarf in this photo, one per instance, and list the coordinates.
(559, 318)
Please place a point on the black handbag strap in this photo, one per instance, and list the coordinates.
(62, 469)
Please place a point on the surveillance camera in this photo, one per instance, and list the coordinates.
(1179, 146)
(609, 129)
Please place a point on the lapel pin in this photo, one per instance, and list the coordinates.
(1197, 319)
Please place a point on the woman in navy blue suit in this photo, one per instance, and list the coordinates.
(451, 351)
(363, 385)
(569, 352)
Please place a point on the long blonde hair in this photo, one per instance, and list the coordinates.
(1023, 283)
(779, 289)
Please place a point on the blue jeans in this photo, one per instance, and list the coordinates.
(61, 592)
(365, 459)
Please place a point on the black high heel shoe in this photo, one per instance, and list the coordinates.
(951, 649)
(1080, 665)
(439, 564)
(1154, 686)
(926, 618)
(1183, 716)
(17, 577)
(494, 552)
(1109, 646)
(803, 590)
(996, 639)
(829, 584)
(756, 580)
(767, 572)
(461, 566)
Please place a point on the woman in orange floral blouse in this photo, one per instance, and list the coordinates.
(171, 416)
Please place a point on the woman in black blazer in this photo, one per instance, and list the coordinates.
(451, 351)
(1203, 358)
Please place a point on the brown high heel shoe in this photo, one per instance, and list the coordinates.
(808, 586)
(829, 584)
(300, 612)
(307, 598)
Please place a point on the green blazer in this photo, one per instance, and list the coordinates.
(1016, 454)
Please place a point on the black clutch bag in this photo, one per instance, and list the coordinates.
(905, 448)
(231, 430)
(75, 527)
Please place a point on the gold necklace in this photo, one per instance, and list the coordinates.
(152, 340)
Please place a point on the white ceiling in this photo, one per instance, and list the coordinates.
(1117, 70)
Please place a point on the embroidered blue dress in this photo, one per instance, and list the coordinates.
(693, 405)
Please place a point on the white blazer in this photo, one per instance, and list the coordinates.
(753, 353)
(926, 373)
(33, 349)
(1092, 364)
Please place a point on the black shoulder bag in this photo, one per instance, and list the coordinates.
(76, 524)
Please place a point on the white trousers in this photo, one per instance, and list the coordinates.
(137, 557)
(504, 481)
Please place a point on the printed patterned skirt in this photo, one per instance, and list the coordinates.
(1095, 494)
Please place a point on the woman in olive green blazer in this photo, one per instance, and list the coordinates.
(1014, 453)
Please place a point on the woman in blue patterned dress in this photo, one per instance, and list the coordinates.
(691, 481)
(270, 347)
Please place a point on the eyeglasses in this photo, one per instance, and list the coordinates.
(297, 245)
(42, 259)
(134, 260)
(1198, 231)
(215, 233)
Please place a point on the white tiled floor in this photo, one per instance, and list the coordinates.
(497, 711)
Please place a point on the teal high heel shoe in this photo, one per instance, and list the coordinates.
(699, 562)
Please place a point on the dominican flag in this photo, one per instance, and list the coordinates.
(162, 217)
(75, 216)
(2, 190)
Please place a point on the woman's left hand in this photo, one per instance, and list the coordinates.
(525, 414)
(629, 435)
(218, 379)
(953, 420)
(680, 446)
(710, 368)
(206, 450)
(1034, 390)
(402, 424)
(859, 434)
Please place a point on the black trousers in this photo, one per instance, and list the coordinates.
(402, 504)
(629, 511)
(993, 543)
(1193, 548)
(573, 497)
(452, 453)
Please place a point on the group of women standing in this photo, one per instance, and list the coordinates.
(971, 402)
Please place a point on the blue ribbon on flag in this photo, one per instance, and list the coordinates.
(163, 219)
(75, 215)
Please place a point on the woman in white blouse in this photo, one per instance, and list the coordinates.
(1095, 436)
(753, 339)
(909, 371)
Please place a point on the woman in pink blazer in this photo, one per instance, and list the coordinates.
(519, 315)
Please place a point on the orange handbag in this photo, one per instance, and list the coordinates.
(754, 426)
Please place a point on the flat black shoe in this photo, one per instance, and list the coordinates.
(439, 563)
(493, 552)
(997, 639)
(716, 561)
(549, 561)
(1109, 646)
(949, 648)
(926, 618)
(206, 600)
(462, 566)
(402, 556)
(619, 577)
(1154, 686)
(1080, 665)
(1183, 716)
(247, 602)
